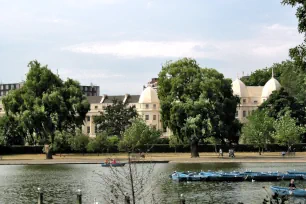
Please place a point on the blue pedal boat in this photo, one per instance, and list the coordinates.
(282, 191)
(113, 165)
(179, 176)
(296, 172)
(261, 176)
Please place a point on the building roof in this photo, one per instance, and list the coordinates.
(94, 99)
(239, 88)
(149, 95)
(254, 91)
(109, 99)
(270, 86)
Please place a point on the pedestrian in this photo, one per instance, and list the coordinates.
(220, 153)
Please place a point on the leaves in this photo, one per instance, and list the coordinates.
(258, 130)
(197, 102)
(45, 104)
(138, 135)
(286, 130)
(115, 118)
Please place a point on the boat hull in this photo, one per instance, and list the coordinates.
(112, 165)
(281, 191)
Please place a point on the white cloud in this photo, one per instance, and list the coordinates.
(88, 74)
(270, 42)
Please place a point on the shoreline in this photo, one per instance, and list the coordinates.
(173, 158)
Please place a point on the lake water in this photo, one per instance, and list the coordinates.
(18, 184)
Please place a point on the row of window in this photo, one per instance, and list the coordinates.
(9, 86)
(147, 117)
(148, 106)
(244, 113)
(244, 101)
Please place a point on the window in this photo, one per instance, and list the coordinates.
(96, 129)
(154, 106)
(96, 107)
(147, 106)
(236, 114)
(164, 129)
(244, 113)
(147, 117)
(154, 117)
(255, 102)
(0, 109)
(88, 118)
(264, 100)
(154, 127)
(88, 130)
(244, 100)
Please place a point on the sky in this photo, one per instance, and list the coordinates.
(121, 44)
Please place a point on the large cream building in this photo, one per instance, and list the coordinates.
(147, 105)
(252, 96)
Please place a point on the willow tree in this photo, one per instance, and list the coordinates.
(46, 104)
(197, 103)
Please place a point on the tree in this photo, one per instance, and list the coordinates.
(11, 132)
(115, 118)
(62, 141)
(99, 143)
(280, 102)
(196, 102)
(287, 132)
(79, 142)
(45, 104)
(138, 136)
(258, 129)
(175, 141)
(261, 76)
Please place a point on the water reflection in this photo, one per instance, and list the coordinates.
(18, 184)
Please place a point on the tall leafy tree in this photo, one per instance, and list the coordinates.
(11, 132)
(115, 118)
(287, 132)
(261, 76)
(298, 53)
(258, 130)
(46, 104)
(280, 102)
(196, 102)
(138, 136)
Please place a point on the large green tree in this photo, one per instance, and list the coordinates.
(138, 136)
(287, 132)
(46, 104)
(260, 76)
(11, 132)
(258, 130)
(280, 102)
(196, 102)
(115, 118)
(298, 53)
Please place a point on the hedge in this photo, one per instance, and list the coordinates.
(159, 148)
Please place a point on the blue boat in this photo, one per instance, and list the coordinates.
(260, 176)
(282, 191)
(179, 176)
(293, 176)
(196, 177)
(112, 165)
(296, 172)
(223, 176)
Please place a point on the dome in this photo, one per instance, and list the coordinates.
(270, 86)
(148, 95)
(239, 88)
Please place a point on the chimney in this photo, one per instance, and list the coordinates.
(104, 96)
(126, 96)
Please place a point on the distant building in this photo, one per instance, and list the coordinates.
(152, 83)
(91, 90)
(147, 106)
(87, 90)
(5, 88)
(252, 96)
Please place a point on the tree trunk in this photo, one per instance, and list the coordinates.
(259, 152)
(48, 151)
(194, 149)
